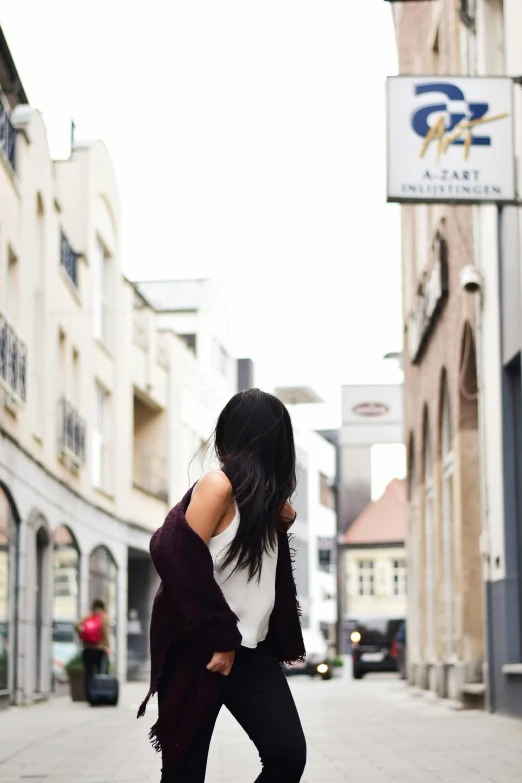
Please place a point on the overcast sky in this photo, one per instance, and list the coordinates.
(249, 144)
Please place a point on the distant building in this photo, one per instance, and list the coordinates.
(372, 414)
(375, 559)
(245, 374)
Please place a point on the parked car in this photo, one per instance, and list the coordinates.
(318, 661)
(65, 646)
(372, 642)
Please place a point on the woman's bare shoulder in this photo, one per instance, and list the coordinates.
(214, 484)
(209, 504)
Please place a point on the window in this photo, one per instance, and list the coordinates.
(69, 260)
(103, 583)
(436, 53)
(448, 470)
(11, 289)
(6, 584)
(66, 569)
(300, 500)
(467, 13)
(326, 493)
(100, 438)
(399, 577)
(62, 363)
(366, 578)
(7, 135)
(326, 553)
(101, 293)
(74, 379)
(190, 341)
(302, 571)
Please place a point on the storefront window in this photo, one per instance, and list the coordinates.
(6, 542)
(103, 583)
(66, 594)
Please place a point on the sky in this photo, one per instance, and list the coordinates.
(248, 140)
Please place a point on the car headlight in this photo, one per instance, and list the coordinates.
(355, 637)
(322, 668)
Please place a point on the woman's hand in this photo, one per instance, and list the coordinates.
(222, 662)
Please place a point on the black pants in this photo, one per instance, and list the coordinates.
(257, 694)
(93, 660)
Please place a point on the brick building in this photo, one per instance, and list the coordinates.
(445, 612)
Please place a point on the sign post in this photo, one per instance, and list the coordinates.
(450, 140)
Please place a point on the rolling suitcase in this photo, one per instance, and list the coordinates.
(104, 689)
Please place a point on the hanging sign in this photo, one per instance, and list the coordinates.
(450, 139)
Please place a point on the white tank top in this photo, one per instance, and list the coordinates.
(251, 601)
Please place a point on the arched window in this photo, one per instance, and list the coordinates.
(8, 586)
(448, 469)
(66, 598)
(103, 583)
(7, 576)
(429, 525)
(66, 576)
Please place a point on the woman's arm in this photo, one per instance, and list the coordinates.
(208, 507)
(209, 504)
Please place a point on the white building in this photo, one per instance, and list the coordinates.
(206, 375)
(315, 532)
(315, 529)
(102, 405)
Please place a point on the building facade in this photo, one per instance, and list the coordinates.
(446, 630)
(102, 405)
(314, 532)
(375, 560)
(494, 50)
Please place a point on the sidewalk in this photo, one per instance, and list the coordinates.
(370, 731)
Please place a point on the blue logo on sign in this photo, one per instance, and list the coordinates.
(451, 121)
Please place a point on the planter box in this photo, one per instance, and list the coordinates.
(77, 686)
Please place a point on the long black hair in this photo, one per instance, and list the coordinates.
(254, 443)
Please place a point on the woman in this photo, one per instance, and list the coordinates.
(226, 613)
(94, 632)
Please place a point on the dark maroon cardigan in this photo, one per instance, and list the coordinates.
(191, 620)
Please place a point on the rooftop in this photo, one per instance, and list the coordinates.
(9, 78)
(169, 296)
(382, 521)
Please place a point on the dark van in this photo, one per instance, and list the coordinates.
(373, 645)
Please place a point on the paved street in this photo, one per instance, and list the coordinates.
(363, 732)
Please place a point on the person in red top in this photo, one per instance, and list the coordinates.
(94, 632)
